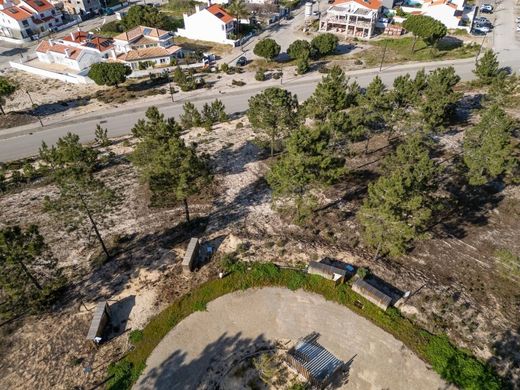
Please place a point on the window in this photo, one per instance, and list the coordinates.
(163, 60)
(53, 12)
(25, 23)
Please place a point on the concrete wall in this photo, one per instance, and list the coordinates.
(204, 26)
(66, 77)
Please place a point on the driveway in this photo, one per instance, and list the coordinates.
(239, 320)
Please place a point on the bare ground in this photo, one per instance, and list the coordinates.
(459, 285)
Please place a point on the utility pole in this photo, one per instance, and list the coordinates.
(32, 105)
(172, 89)
(480, 48)
(383, 57)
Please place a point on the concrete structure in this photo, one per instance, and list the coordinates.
(327, 271)
(372, 294)
(77, 51)
(52, 71)
(212, 24)
(82, 7)
(313, 361)
(27, 19)
(145, 45)
(356, 18)
(99, 321)
(454, 14)
(191, 255)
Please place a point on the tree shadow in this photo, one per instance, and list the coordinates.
(206, 370)
(14, 51)
(59, 106)
(233, 161)
(507, 357)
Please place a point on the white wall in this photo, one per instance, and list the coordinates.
(67, 77)
(204, 26)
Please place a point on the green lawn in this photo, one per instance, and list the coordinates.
(453, 364)
(399, 50)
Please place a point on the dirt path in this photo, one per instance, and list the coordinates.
(186, 354)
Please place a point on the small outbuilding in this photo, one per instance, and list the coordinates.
(191, 255)
(327, 271)
(313, 361)
(372, 294)
(99, 322)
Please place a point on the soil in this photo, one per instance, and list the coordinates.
(458, 285)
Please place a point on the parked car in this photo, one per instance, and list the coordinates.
(518, 28)
(316, 13)
(242, 61)
(482, 28)
(518, 19)
(486, 8)
(477, 32)
(481, 19)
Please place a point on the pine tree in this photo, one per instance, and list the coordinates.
(400, 203)
(29, 278)
(172, 169)
(101, 136)
(6, 89)
(488, 150)
(81, 195)
(190, 117)
(275, 112)
(488, 67)
(332, 94)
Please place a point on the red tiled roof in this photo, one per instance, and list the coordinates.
(39, 5)
(45, 47)
(140, 31)
(372, 4)
(220, 13)
(89, 40)
(17, 13)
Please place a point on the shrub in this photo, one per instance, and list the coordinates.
(238, 83)
(260, 75)
(135, 336)
(324, 44)
(239, 125)
(224, 67)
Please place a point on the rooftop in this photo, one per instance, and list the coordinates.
(220, 13)
(46, 46)
(372, 4)
(39, 5)
(141, 31)
(148, 53)
(17, 13)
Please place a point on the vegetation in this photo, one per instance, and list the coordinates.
(29, 278)
(299, 49)
(101, 136)
(488, 150)
(213, 113)
(6, 89)
(172, 169)
(488, 67)
(425, 27)
(81, 195)
(109, 73)
(267, 48)
(324, 44)
(238, 9)
(190, 117)
(454, 365)
(146, 15)
(275, 112)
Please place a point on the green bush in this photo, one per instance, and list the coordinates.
(135, 336)
(260, 75)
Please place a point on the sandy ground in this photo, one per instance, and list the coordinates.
(205, 338)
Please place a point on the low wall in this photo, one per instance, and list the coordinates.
(66, 77)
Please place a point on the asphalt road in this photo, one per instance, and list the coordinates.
(24, 141)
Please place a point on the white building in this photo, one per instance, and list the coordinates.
(145, 45)
(76, 51)
(454, 14)
(212, 24)
(356, 18)
(27, 19)
(81, 7)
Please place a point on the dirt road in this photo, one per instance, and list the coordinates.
(239, 320)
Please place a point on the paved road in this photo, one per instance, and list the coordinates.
(25, 140)
(208, 341)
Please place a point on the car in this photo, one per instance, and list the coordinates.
(484, 29)
(477, 33)
(486, 8)
(518, 19)
(481, 19)
(316, 13)
(488, 26)
(518, 28)
(242, 61)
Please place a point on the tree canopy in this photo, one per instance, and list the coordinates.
(172, 169)
(299, 49)
(275, 111)
(333, 93)
(109, 73)
(324, 44)
(146, 15)
(430, 30)
(267, 48)
(400, 203)
(6, 89)
(487, 68)
(488, 150)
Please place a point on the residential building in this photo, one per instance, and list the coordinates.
(27, 19)
(212, 24)
(77, 51)
(82, 7)
(356, 18)
(145, 45)
(453, 14)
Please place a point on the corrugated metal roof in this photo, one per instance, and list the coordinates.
(371, 293)
(319, 362)
(326, 268)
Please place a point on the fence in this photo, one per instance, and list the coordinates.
(67, 77)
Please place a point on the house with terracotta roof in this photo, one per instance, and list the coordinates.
(27, 19)
(76, 51)
(212, 24)
(454, 14)
(81, 7)
(145, 45)
(355, 18)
